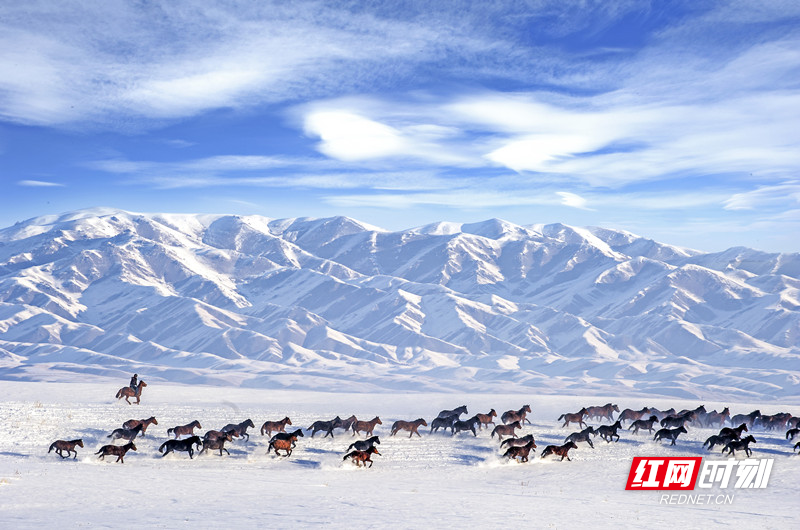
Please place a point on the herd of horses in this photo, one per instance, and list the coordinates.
(182, 438)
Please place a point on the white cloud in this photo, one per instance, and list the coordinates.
(573, 200)
(39, 184)
(348, 136)
(783, 195)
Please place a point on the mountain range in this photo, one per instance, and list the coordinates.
(336, 304)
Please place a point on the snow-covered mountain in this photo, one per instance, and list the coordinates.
(336, 304)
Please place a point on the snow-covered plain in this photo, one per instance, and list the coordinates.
(429, 481)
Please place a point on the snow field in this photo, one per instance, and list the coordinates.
(429, 480)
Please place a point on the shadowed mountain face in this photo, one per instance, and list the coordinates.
(335, 304)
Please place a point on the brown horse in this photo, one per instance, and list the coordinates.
(520, 451)
(116, 450)
(182, 430)
(410, 426)
(63, 445)
(734, 433)
(127, 392)
(291, 436)
(130, 424)
(486, 419)
(362, 457)
(604, 412)
(506, 430)
(285, 444)
(181, 445)
(366, 426)
(277, 426)
(632, 415)
(239, 430)
(217, 443)
(710, 418)
(559, 450)
(574, 417)
(511, 416)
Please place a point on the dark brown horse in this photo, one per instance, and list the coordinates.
(363, 445)
(608, 432)
(444, 422)
(486, 419)
(186, 445)
(285, 444)
(669, 434)
(632, 415)
(362, 457)
(739, 445)
(605, 412)
(130, 424)
(239, 430)
(559, 450)
(718, 439)
(125, 434)
(277, 426)
(182, 430)
(327, 426)
(127, 392)
(749, 419)
(410, 426)
(520, 451)
(678, 420)
(366, 426)
(466, 425)
(643, 424)
(517, 442)
(217, 443)
(116, 450)
(291, 436)
(347, 424)
(511, 416)
(506, 430)
(63, 445)
(735, 433)
(574, 417)
(714, 417)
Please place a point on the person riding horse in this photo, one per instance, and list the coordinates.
(134, 381)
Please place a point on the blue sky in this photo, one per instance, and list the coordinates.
(678, 121)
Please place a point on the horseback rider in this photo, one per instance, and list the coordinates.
(134, 381)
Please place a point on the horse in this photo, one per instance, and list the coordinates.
(517, 442)
(366, 426)
(791, 433)
(736, 433)
(671, 434)
(486, 419)
(291, 436)
(511, 416)
(604, 412)
(467, 425)
(362, 457)
(216, 435)
(632, 415)
(125, 434)
(116, 450)
(127, 392)
(643, 424)
(573, 417)
(130, 424)
(327, 426)
(445, 422)
(286, 444)
(678, 420)
(277, 426)
(363, 445)
(520, 451)
(457, 411)
(699, 410)
(217, 443)
(660, 414)
(239, 430)
(582, 436)
(181, 445)
(796, 447)
(181, 430)
(410, 426)
(749, 419)
(718, 439)
(347, 424)
(608, 432)
(742, 444)
(775, 421)
(63, 445)
(715, 417)
(506, 430)
(562, 451)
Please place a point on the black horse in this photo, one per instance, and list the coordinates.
(181, 445)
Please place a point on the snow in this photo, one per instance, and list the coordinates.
(432, 480)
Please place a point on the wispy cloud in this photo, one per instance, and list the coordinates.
(40, 184)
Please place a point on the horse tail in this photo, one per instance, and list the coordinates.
(560, 418)
(52, 445)
(119, 393)
(170, 430)
(348, 455)
(161, 449)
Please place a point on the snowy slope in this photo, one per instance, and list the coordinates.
(337, 304)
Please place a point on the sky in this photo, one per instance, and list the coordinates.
(678, 121)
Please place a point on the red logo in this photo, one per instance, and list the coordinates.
(663, 473)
